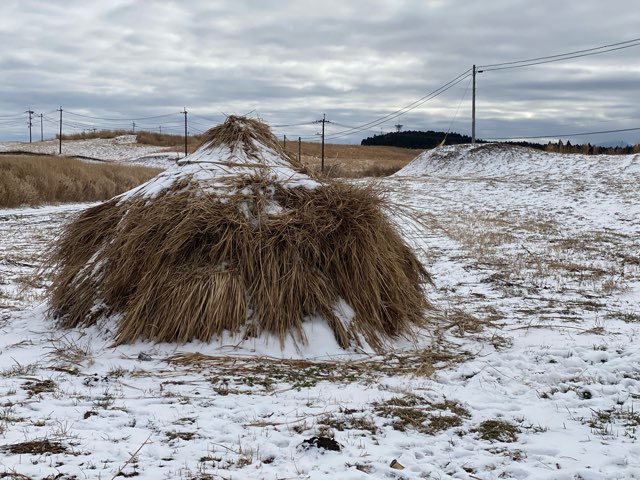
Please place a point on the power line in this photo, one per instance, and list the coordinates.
(404, 109)
(556, 135)
(293, 125)
(560, 57)
(121, 119)
(204, 118)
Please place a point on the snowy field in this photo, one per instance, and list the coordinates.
(122, 149)
(531, 369)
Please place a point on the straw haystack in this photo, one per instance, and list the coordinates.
(237, 238)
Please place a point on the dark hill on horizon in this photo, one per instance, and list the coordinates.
(416, 139)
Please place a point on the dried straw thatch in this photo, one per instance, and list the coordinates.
(237, 238)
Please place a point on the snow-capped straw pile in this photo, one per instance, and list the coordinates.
(237, 238)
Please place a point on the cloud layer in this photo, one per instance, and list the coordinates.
(292, 61)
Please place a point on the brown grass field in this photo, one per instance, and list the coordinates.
(341, 160)
(37, 179)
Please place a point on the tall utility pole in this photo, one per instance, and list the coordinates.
(41, 129)
(299, 148)
(30, 112)
(473, 108)
(185, 131)
(133, 127)
(323, 121)
(60, 135)
(284, 144)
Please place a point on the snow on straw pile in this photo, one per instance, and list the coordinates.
(237, 238)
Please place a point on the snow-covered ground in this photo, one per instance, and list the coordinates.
(533, 369)
(123, 149)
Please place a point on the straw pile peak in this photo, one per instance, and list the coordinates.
(237, 239)
(239, 147)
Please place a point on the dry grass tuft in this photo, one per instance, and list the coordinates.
(168, 140)
(191, 264)
(414, 412)
(38, 387)
(497, 431)
(34, 180)
(35, 447)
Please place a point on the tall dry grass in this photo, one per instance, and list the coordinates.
(89, 134)
(35, 180)
(168, 140)
(352, 161)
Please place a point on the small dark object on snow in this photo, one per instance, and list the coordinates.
(321, 442)
(144, 357)
(93, 380)
(396, 464)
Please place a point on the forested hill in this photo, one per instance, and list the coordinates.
(416, 139)
(430, 139)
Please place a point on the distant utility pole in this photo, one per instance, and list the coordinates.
(299, 148)
(41, 130)
(60, 135)
(160, 129)
(30, 112)
(185, 131)
(133, 125)
(284, 144)
(323, 121)
(473, 106)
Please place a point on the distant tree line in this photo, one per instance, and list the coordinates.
(431, 139)
(589, 149)
(416, 139)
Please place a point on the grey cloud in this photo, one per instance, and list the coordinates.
(294, 60)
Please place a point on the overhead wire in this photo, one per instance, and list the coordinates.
(120, 119)
(579, 134)
(560, 57)
(405, 109)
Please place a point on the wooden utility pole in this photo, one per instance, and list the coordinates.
(299, 149)
(133, 127)
(30, 112)
(473, 108)
(60, 135)
(185, 131)
(323, 121)
(284, 143)
(41, 129)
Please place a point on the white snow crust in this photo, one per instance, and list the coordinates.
(544, 249)
(213, 167)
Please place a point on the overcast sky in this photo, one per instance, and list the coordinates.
(289, 62)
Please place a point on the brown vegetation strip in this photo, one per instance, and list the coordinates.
(35, 180)
(417, 362)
